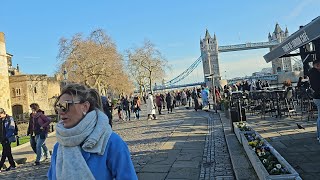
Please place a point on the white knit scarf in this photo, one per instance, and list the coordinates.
(93, 131)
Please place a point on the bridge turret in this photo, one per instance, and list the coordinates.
(269, 37)
(286, 33)
(209, 53)
(280, 65)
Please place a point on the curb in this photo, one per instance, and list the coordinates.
(242, 168)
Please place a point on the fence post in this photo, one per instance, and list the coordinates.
(18, 141)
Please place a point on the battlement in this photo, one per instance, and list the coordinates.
(2, 39)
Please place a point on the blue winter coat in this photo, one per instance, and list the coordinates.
(115, 163)
(9, 126)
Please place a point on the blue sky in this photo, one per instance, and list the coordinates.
(33, 28)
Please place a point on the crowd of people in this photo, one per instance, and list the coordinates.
(84, 130)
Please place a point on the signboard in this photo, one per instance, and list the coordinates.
(303, 36)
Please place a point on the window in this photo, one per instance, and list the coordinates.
(18, 92)
(35, 89)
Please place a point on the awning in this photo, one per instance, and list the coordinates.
(306, 34)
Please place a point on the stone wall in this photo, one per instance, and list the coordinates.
(54, 89)
(27, 89)
(5, 101)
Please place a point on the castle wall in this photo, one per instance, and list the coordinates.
(5, 101)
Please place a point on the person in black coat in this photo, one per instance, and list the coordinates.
(314, 76)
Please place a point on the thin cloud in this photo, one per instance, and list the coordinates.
(31, 57)
(177, 44)
(299, 9)
(244, 67)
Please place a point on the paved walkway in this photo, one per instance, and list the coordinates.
(182, 145)
(298, 146)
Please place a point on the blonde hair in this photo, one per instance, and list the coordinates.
(83, 94)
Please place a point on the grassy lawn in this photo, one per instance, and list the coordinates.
(22, 140)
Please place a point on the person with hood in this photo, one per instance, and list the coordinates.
(86, 147)
(7, 136)
(38, 130)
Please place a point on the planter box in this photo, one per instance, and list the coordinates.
(260, 169)
(237, 131)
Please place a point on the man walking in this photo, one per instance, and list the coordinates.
(7, 136)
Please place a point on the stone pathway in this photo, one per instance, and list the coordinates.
(171, 147)
(216, 158)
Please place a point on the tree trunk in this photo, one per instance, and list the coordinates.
(150, 80)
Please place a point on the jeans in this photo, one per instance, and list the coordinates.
(40, 144)
(138, 113)
(317, 102)
(6, 153)
(33, 144)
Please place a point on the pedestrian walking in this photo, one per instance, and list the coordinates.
(38, 128)
(151, 108)
(126, 107)
(159, 103)
(136, 105)
(86, 147)
(169, 100)
(314, 77)
(7, 136)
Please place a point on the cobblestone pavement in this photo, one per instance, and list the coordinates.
(148, 142)
(142, 136)
(216, 159)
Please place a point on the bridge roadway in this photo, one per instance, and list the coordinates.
(182, 145)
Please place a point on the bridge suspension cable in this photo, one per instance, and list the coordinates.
(184, 74)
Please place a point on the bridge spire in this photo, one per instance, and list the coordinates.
(286, 33)
(207, 35)
(277, 29)
(214, 37)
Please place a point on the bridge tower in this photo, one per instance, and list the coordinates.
(210, 61)
(281, 64)
(5, 101)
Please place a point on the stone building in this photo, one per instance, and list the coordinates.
(209, 54)
(5, 101)
(18, 90)
(280, 65)
(27, 89)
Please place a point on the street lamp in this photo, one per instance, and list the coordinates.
(65, 74)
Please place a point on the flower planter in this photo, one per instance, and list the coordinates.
(259, 167)
(238, 131)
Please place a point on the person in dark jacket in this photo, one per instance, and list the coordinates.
(107, 108)
(38, 127)
(169, 100)
(7, 136)
(314, 77)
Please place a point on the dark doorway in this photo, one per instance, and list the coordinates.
(17, 112)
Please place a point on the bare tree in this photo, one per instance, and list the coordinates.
(93, 61)
(146, 65)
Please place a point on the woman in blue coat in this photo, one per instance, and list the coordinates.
(87, 148)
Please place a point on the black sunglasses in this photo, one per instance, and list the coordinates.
(64, 106)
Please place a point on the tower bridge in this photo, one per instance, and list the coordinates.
(210, 59)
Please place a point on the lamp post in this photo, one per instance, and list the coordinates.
(65, 76)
